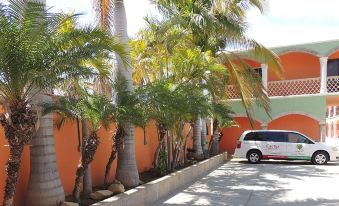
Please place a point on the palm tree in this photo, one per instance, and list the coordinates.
(33, 56)
(39, 51)
(220, 24)
(127, 110)
(112, 14)
(93, 110)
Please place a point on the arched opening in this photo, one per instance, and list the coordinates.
(297, 122)
(231, 134)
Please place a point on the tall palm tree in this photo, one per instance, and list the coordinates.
(112, 15)
(96, 111)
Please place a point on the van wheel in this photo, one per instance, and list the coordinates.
(320, 158)
(253, 156)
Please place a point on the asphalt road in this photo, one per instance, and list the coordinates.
(276, 183)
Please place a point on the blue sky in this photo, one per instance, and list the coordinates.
(285, 22)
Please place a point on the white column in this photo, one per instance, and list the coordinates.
(322, 126)
(334, 128)
(323, 74)
(264, 72)
(334, 110)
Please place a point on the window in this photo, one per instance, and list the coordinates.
(250, 137)
(258, 71)
(266, 136)
(274, 136)
(297, 138)
(333, 67)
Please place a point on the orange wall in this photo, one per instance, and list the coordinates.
(67, 161)
(68, 157)
(298, 123)
(297, 65)
(335, 55)
(231, 135)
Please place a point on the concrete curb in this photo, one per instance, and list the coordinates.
(160, 188)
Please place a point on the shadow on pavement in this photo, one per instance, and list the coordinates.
(273, 183)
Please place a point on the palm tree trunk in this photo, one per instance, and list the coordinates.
(214, 148)
(19, 127)
(170, 150)
(13, 167)
(44, 186)
(117, 139)
(198, 154)
(204, 144)
(127, 171)
(161, 141)
(87, 187)
(90, 146)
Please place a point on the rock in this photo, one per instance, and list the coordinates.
(69, 204)
(100, 194)
(116, 182)
(116, 188)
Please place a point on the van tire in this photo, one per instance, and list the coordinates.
(254, 156)
(320, 158)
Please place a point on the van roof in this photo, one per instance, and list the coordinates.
(270, 130)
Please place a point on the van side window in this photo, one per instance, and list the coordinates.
(250, 136)
(297, 138)
(266, 136)
(274, 136)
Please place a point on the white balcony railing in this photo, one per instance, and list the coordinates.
(333, 84)
(294, 87)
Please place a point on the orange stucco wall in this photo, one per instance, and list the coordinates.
(231, 135)
(334, 55)
(295, 122)
(68, 157)
(300, 123)
(67, 162)
(66, 143)
(297, 65)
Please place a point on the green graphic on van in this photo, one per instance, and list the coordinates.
(299, 148)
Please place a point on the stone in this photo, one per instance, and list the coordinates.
(116, 182)
(100, 194)
(69, 204)
(116, 188)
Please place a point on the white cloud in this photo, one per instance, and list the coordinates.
(135, 11)
(295, 21)
(284, 22)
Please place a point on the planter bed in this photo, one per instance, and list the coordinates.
(152, 191)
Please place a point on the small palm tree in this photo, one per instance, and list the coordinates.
(38, 50)
(93, 110)
(126, 110)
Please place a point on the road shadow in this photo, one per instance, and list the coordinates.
(271, 183)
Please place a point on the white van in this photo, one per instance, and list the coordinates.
(281, 144)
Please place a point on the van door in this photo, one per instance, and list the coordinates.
(272, 144)
(299, 147)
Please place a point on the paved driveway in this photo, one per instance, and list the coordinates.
(238, 183)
